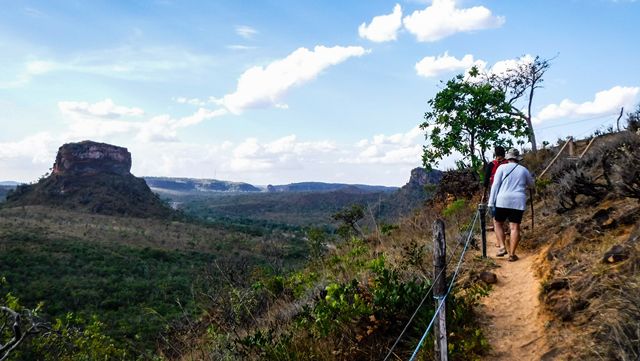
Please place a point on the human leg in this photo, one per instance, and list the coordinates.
(499, 243)
(499, 231)
(515, 217)
(499, 221)
(514, 237)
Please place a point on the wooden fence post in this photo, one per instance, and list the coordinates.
(482, 208)
(553, 160)
(571, 147)
(439, 288)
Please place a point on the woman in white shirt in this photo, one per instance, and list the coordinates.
(508, 199)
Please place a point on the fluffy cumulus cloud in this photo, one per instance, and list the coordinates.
(399, 148)
(102, 109)
(283, 153)
(443, 18)
(505, 66)
(36, 147)
(433, 66)
(105, 119)
(385, 159)
(384, 27)
(26, 159)
(604, 102)
(260, 86)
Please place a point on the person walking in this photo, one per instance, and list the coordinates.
(489, 173)
(508, 200)
(492, 167)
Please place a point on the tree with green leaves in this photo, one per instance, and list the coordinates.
(317, 239)
(469, 115)
(520, 82)
(348, 218)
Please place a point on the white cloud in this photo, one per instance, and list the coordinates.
(105, 119)
(190, 101)
(37, 67)
(283, 153)
(433, 66)
(25, 72)
(102, 109)
(240, 47)
(126, 62)
(399, 148)
(281, 160)
(604, 102)
(139, 63)
(198, 117)
(505, 66)
(266, 86)
(36, 147)
(384, 27)
(442, 18)
(27, 159)
(245, 31)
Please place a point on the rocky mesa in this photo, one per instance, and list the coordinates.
(90, 158)
(94, 177)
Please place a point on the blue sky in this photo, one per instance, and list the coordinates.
(286, 91)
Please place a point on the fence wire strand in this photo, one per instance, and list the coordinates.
(444, 298)
(421, 303)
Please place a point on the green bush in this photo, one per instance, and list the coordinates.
(455, 208)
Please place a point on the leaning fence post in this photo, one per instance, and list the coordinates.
(482, 208)
(439, 288)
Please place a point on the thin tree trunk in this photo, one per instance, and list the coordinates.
(532, 135)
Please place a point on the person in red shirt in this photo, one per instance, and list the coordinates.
(490, 171)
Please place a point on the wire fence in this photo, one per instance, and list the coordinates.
(470, 233)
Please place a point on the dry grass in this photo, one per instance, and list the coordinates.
(142, 232)
(595, 306)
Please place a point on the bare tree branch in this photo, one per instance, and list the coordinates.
(20, 329)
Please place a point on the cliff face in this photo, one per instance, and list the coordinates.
(420, 177)
(93, 177)
(91, 158)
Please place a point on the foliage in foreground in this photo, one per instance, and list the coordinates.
(350, 304)
(125, 286)
(69, 338)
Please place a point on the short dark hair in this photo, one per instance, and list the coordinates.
(499, 151)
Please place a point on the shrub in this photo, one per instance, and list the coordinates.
(609, 170)
(454, 208)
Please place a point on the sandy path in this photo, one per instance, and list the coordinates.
(510, 314)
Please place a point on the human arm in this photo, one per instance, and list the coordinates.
(530, 181)
(495, 187)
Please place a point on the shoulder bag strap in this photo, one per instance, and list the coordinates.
(503, 178)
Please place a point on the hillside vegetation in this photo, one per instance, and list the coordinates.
(180, 290)
(354, 301)
(588, 241)
(138, 276)
(308, 204)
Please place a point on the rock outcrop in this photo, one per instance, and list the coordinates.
(91, 158)
(93, 177)
(420, 177)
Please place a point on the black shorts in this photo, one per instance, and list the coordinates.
(513, 215)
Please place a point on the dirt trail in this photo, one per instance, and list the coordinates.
(510, 314)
